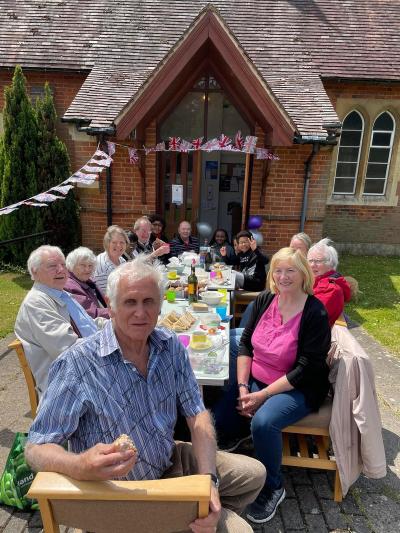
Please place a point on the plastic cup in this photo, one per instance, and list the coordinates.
(171, 295)
(199, 337)
(172, 274)
(221, 310)
(213, 274)
(185, 340)
(224, 292)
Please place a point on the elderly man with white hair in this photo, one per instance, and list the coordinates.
(81, 263)
(49, 320)
(132, 377)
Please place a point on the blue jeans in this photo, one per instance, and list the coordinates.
(266, 425)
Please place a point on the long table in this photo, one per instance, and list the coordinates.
(208, 370)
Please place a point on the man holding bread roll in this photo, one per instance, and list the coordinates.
(116, 396)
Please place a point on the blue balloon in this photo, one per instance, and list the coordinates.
(255, 222)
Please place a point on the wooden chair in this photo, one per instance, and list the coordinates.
(242, 300)
(30, 380)
(307, 442)
(157, 506)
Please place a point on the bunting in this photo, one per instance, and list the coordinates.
(100, 160)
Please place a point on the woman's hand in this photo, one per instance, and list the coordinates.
(249, 402)
(223, 251)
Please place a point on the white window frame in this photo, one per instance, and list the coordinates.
(358, 158)
(392, 133)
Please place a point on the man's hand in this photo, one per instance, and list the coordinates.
(161, 250)
(103, 462)
(210, 522)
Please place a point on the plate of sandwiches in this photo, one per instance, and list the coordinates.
(176, 322)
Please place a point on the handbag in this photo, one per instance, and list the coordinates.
(17, 477)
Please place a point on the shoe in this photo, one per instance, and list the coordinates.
(264, 507)
(230, 445)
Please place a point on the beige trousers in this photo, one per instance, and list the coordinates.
(241, 479)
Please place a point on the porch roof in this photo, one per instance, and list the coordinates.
(291, 45)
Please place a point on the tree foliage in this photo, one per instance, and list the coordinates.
(18, 170)
(53, 167)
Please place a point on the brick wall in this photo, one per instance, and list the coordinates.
(283, 196)
(364, 228)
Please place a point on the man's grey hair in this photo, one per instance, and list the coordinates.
(136, 270)
(35, 259)
(330, 254)
(139, 222)
(80, 254)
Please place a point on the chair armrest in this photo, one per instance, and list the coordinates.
(50, 485)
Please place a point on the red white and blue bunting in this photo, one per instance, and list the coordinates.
(100, 160)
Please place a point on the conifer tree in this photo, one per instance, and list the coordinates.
(53, 167)
(18, 176)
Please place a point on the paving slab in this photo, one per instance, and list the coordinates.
(372, 506)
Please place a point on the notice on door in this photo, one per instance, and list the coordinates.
(177, 194)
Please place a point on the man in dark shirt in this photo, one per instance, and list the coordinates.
(184, 242)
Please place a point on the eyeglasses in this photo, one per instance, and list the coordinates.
(316, 261)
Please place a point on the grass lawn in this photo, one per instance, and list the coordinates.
(378, 307)
(13, 287)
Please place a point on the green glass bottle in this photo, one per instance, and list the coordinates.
(192, 284)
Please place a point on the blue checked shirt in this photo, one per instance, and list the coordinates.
(94, 395)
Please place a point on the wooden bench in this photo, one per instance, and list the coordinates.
(30, 380)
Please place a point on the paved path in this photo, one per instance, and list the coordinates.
(371, 505)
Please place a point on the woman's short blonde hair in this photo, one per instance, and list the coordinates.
(111, 231)
(299, 261)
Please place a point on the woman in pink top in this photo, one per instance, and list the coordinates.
(281, 371)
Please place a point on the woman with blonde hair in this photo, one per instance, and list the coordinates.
(115, 243)
(282, 373)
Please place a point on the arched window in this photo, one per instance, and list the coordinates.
(349, 154)
(380, 152)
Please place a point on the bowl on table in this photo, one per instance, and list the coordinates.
(178, 268)
(211, 320)
(212, 297)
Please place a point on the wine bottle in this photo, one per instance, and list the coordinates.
(192, 284)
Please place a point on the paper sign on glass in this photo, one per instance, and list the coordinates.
(177, 194)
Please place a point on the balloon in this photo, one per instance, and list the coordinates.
(255, 222)
(257, 236)
(204, 229)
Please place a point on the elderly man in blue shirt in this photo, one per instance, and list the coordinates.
(132, 377)
(49, 320)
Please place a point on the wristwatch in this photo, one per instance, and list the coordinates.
(214, 479)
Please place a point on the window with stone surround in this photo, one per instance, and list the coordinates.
(348, 159)
(364, 157)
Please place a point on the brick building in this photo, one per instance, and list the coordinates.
(294, 73)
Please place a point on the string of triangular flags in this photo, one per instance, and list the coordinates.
(223, 143)
(86, 175)
(90, 171)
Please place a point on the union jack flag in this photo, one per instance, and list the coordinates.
(174, 143)
(46, 197)
(224, 141)
(263, 153)
(211, 145)
(197, 143)
(185, 146)
(149, 150)
(239, 141)
(250, 144)
(160, 147)
(133, 156)
(111, 148)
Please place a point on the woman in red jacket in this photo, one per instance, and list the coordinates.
(330, 287)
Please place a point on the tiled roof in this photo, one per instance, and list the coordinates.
(291, 43)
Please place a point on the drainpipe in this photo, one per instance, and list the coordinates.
(108, 187)
(307, 176)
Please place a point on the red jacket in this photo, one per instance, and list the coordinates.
(333, 291)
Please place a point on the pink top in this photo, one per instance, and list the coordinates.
(274, 345)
